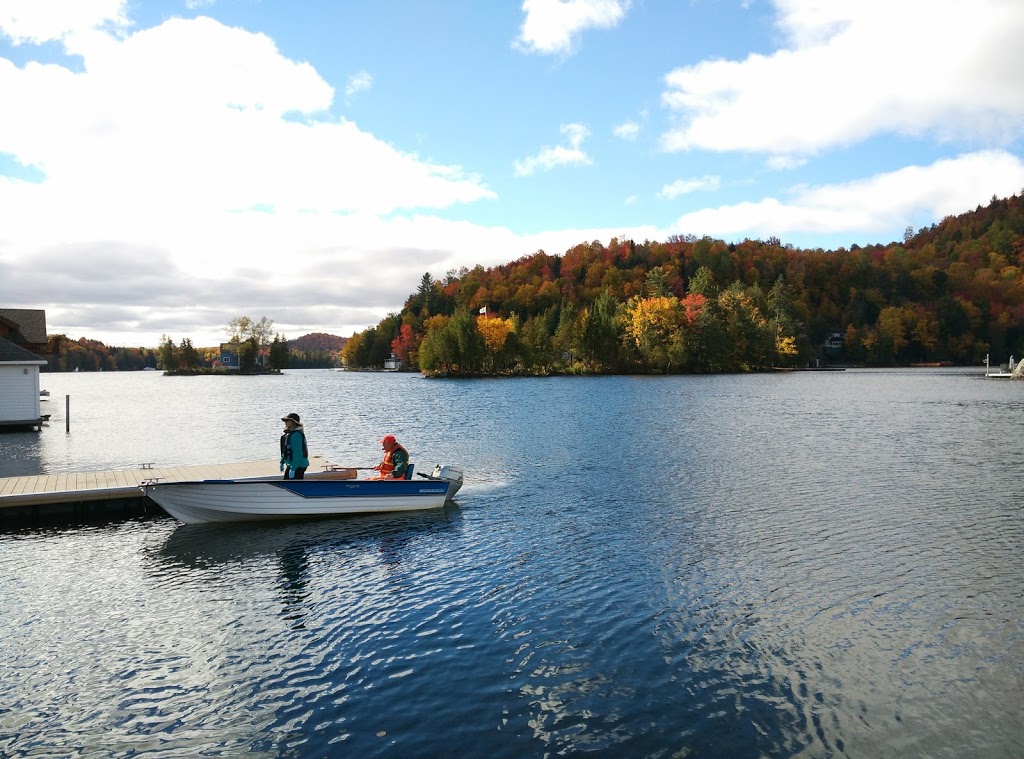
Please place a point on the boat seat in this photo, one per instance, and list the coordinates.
(408, 472)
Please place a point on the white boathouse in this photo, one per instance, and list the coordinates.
(19, 386)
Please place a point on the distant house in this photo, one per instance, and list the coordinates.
(228, 355)
(19, 386)
(393, 363)
(834, 341)
(25, 327)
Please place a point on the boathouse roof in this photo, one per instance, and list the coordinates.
(26, 325)
(11, 353)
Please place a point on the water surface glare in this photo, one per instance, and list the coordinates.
(809, 564)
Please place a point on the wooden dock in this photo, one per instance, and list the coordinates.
(81, 487)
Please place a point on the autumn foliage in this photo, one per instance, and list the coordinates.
(950, 292)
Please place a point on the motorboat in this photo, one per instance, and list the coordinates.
(329, 493)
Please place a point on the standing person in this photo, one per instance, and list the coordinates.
(395, 462)
(294, 453)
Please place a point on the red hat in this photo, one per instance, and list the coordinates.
(387, 440)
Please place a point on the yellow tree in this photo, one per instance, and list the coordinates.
(926, 331)
(785, 346)
(749, 338)
(495, 332)
(654, 325)
(351, 350)
(892, 332)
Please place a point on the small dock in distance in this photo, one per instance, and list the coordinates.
(43, 494)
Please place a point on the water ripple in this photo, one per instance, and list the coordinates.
(735, 566)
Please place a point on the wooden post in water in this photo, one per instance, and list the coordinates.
(67, 413)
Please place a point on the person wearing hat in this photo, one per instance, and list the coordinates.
(395, 461)
(294, 453)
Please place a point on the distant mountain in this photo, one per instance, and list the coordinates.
(318, 342)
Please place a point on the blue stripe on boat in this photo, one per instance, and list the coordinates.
(359, 488)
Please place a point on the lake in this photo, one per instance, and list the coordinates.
(815, 564)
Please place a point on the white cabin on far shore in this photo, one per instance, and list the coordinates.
(19, 386)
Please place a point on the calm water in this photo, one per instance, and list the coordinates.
(812, 564)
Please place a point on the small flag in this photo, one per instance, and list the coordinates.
(484, 310)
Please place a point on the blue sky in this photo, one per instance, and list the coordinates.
(167, 166)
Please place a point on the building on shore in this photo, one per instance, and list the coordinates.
(19, 386)
(228, 355)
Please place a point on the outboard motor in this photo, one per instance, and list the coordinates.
(450, 474)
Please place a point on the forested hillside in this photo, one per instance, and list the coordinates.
(951, 292)
(316, 350)
(87, 355)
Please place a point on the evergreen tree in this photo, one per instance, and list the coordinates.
(568, 336)
(189, 356)
(279, 354)
(424, 293)
(439, 351)
(472, 349)
(602, 334)
(657, 283)
(167, 354)
(703, 283)
(248, 350)
(535, 345)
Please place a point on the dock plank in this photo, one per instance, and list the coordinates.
(74, 487)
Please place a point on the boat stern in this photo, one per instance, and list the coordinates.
(453, 475)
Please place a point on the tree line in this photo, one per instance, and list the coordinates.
(950, 292)
(85, 355)
(253, 341)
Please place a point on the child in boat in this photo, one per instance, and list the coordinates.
(294, 452)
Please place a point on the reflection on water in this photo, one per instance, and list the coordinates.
(208, 545)
(20, 453)
(293, 552)
(814, 565)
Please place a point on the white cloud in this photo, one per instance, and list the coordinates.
(684, 186)
(870, 206)
(553, 26)
(856, 68)
(560, 155)
(222, 119)
(360, 82)
(224, 165)
(627, 131)
(784, 162)
(38, 21)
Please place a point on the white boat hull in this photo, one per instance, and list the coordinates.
(247, 500)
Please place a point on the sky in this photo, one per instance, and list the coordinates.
(169, 165)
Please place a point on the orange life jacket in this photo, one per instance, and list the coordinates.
(387, 466)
